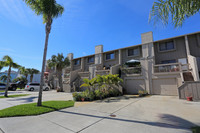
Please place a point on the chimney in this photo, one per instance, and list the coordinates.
(70, 56)
(98, 54)
(98, 49)
(147, 37)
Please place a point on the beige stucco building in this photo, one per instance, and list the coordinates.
(164, 65)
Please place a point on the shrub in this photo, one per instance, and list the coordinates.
(98, 94)
(142, 93)
(76, 96)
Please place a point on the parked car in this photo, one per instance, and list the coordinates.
(12, 86)
(2, 86)
(35, 87)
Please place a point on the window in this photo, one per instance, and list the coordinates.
(166, 46)
(35, 84)
(133, 52)
(168, 61)
(76, 62)
(110, 56)
(90, 59)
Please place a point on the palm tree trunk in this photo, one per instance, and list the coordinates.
(48, 29)
(60, 80)
(7, 85)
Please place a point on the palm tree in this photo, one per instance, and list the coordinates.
(49, 9)
(177, 10)
(8, 62)
(32, 71)
(4, 78)
(24, 71)
(60, 62)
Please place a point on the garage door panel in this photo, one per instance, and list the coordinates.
(165, 87)
(133, 86)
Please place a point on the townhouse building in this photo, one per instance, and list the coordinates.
(159, 67)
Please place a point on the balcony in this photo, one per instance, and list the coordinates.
(131, 70)
(172, 67)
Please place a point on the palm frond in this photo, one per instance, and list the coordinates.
(176, 10)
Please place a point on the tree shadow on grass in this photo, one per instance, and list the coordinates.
(166, 120)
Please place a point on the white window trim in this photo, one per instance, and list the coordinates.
(174, 41)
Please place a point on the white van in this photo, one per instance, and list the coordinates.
(35, 87)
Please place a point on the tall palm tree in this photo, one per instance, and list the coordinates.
(8, 62)
(32, 71)
(24, 71)
(60, 62)
(49, 9)
(177, 10)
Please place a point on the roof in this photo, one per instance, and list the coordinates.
(141, 44)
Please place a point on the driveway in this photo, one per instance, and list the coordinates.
(155, 114)
(33, 97)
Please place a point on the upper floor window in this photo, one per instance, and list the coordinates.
(90, 59)
(76, 62)
(168, 61)
(133, 52)
(110, 56)
(166, 46)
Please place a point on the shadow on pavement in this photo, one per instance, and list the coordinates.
(28, 99)
(166, 120)
(117, 99)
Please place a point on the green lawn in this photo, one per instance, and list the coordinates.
(2, 90)
(33, 109)
(196, 129)
(12, 96)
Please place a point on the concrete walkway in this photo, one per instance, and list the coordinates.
(155, 114)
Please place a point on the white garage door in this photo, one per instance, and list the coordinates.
(165, 87)
(133, 86)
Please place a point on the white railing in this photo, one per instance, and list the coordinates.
(172, 67)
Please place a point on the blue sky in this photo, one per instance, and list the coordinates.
(84, 24)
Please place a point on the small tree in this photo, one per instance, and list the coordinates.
(90, 84)
(32, 71)
(24, 71)
(8, 62)
(60, 62)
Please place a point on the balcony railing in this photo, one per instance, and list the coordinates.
(131, 70)
(173, 67)
(102, 72)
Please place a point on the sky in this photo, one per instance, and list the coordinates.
(83, 25)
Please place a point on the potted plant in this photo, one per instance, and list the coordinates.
(189, 96)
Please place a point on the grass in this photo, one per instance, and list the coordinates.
(13, 96)
(33, 109)
(196, 129)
